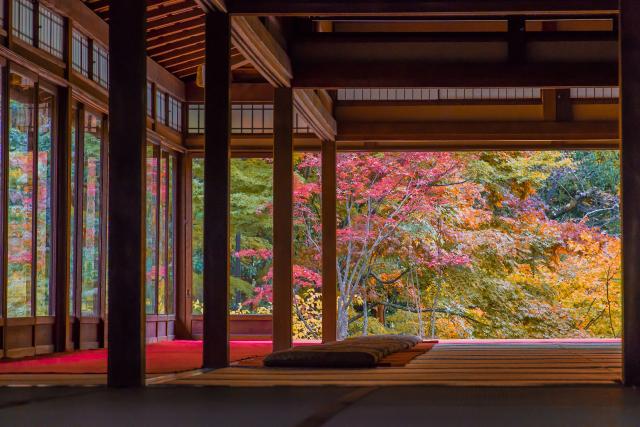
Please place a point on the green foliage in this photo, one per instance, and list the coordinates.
(474, 245)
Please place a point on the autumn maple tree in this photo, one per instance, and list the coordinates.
(494, 244)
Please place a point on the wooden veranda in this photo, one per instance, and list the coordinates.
(376, 75)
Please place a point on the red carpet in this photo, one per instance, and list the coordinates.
(162, 358)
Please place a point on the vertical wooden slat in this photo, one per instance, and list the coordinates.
(127, 111)
(104, 249)
(630, 132)
(79, 221)
(517, 39)
(33, 138)
(564, 109)
(216, 190)
(329, 224)
(282, 218)
(549, 104)
(157, 154)
(62, 202)
(183, 248)
(4, 202)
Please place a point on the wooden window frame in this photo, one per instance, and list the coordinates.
(53, 47)
(79, 37)
(160, 153)
(79, 209)
(199, 108)
(12, 326)
(38, 84)
(16, 30)
(97, 54)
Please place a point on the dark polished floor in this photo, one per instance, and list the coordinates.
(315, 406)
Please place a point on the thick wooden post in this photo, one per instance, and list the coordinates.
(282, 218)
(127, 111)
(216, 190)
(630, 116)
(329, 224)
(62, 221)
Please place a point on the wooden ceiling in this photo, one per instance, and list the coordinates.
(176, 39)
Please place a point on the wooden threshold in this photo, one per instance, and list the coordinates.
(451, 364)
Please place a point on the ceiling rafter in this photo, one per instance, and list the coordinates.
(175, 19)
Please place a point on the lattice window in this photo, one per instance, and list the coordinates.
(175, 114)
(195, 119)
(23, 25)
(100, 65)
(80, 53)
(435, 94)
(161, 107)
(51, 32)
(595, 93)
(149, 99)
(258, 119)
(252, 118)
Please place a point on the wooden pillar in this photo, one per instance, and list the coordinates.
(329, 224)
(517, 40)
(62, 174)
(282, 218)
(556, 104)
(183, 245)
(216, 190)
(62, 221)
(127, 112)
(630, 132)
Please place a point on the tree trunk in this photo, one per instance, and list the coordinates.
(418, 305)
(343, 318)
(365, 319)
(434, 305)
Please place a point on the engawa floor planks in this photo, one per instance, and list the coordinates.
(451, 364)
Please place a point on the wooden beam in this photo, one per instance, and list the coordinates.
(212, 5)
(420, 8)
(186, 50)
(605, 132)
(630, 116)
(127, 149)
(261, 48)
(175, 19)
(183, 36)
(186, 61)
(62, 221)
(177, 29)
(320, 119)
(564, 108)
(4, 204)
(216, 197)
(282, 218)
(335, 75)
(255, 43)
(173, 9)
(329, 239)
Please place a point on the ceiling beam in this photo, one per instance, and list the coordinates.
(595, 132)
(254, 41)
(174, 19)
(187, 50)
(345, 74)
(257, 44)
(178, 28)
(212, 5)
(424, 8)
(164, 11)
(181, 37)
(168, 48)
(310, 106)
